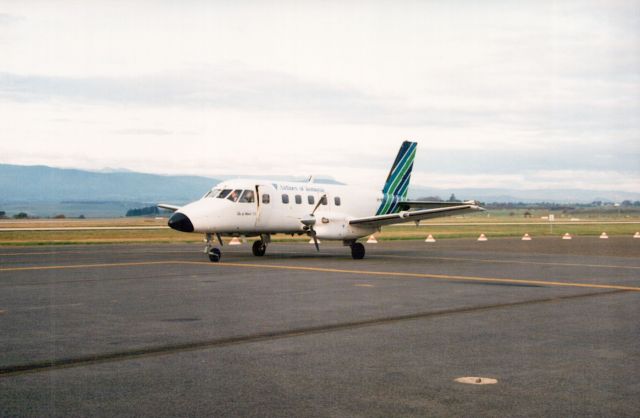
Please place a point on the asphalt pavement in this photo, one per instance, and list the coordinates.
(157, 330)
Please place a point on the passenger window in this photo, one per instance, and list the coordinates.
(234, 195)
(336, 200)
(285, 199)
(247, 197)
(311, 200)
(266, 198)
(324, 200)
(298, 199)
(224, 193)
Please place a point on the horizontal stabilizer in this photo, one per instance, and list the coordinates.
(172, 208)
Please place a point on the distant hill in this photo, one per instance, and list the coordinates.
(46, 184)
(47, 191)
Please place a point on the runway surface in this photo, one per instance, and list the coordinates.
(157, 330)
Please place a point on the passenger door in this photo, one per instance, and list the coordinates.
(264, 202)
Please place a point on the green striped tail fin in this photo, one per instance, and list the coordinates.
(397, 184)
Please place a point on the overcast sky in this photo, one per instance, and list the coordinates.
(497, 93)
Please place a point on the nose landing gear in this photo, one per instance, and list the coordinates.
(214, 253)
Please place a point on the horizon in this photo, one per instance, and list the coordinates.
(510, 195)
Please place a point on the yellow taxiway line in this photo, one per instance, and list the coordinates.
(487, 260)
(422, 275)
(336, 271)
(87, 266)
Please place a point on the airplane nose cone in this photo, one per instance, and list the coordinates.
(180, 222)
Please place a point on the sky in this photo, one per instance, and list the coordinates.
(498, 94)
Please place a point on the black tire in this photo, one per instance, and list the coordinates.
(213, 257)
(357, 251)
(259, 248)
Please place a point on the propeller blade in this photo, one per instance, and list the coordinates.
(324, 196)
(315, 241)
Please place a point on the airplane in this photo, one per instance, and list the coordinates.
(261, 208)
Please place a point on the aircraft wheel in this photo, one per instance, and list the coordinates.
(259, 248)
(215, 255)
(357, 251)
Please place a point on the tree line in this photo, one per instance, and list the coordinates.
(146, 211)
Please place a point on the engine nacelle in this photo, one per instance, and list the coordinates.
(337, 227)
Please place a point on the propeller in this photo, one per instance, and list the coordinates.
(311, 221)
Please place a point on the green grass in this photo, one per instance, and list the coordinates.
(467, 231)
(452, 229)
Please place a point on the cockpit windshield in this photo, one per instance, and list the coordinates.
(237, 195)
(234, 195)
(224, 193)
(247, 197)
(212, 193)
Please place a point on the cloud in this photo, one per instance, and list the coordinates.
(143, 131)
(241, 88)
(532, 180)
(8, 19)
(215, 88)
(493, 92)
(237, 89)
(598, 157)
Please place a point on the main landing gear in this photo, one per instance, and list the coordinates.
(260, 247)
(357, 250)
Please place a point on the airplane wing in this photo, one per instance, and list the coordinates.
(416, 215)
(428, 204)
(172, 208)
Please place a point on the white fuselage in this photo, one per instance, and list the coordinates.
(280, 207)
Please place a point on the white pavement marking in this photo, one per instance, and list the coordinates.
(476, 380)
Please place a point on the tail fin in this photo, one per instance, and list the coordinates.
(397, 182)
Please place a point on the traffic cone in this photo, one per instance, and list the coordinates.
(566, 236)
(235, 241)
(604, 236)
(311, 241)
(482, 237)
(526, 237)
(372, 240)
(430, 238)
(636, 235)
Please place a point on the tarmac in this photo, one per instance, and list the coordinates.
(157, 330)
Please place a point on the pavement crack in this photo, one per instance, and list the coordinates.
(87, 360)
